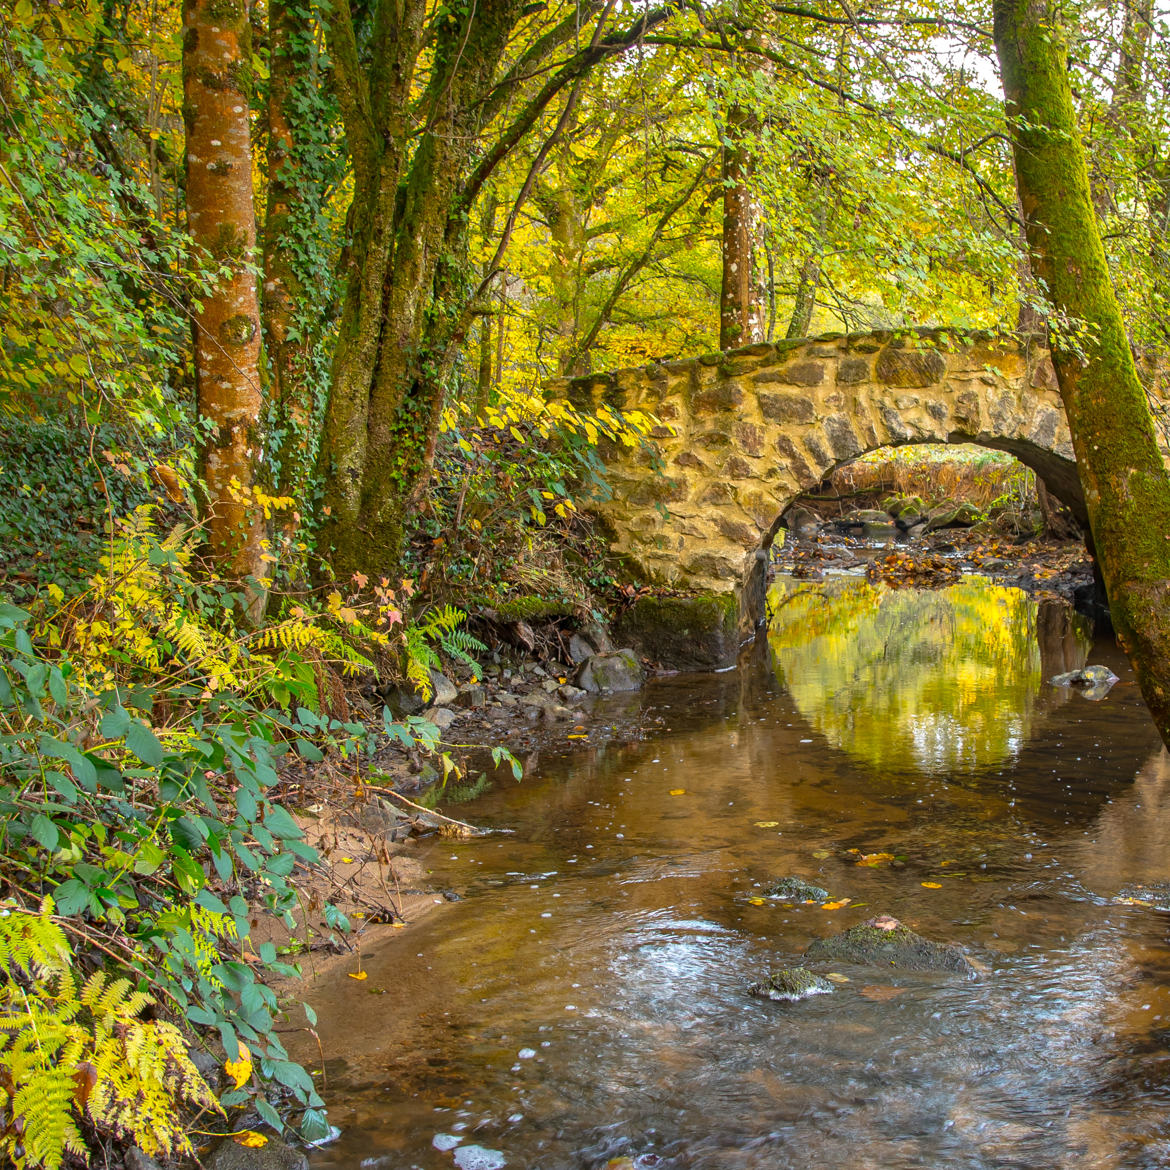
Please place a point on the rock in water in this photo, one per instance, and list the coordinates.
(1094, 682)
(603, 673)
(791, 985)
(794, 889)
(275, 1155)
(885, 942)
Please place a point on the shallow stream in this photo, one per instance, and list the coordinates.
(585, 1001)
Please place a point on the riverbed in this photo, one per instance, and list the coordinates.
(584, 1003)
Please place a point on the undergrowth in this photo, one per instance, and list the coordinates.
(143, 727)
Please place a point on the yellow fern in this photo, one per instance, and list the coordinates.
(65, 1051)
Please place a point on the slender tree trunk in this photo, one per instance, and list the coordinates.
(740, 310)
(217, 54)
(1125, 480)
(805, 301)
(289, 342)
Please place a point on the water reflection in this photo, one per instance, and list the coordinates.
(934, 681)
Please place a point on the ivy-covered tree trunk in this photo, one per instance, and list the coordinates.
(419, 161)
(740, 304)
(286, 330)
(1126, 483)
(217, 53)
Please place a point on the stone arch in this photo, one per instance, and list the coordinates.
(743, 433)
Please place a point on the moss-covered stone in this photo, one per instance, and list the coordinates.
(790, 985)
(683, 633)
(885, 942)
(604, 674)
(529, 607)
(794, 889)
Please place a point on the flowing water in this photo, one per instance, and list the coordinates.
(584, 1003)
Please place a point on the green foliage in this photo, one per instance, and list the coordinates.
(437, 630)
(128, 825)
(55, 499)
(69, 1052)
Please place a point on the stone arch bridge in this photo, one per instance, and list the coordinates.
(745, 432)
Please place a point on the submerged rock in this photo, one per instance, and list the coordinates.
(885, 942)
(794, 889)
(619, 671)
(791, 985)
(1094, 682)
(1153, 894)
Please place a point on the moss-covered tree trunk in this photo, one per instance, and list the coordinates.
(217, 55)
(741, 310)
(291, 324)
(1126, 484)
(420, 157)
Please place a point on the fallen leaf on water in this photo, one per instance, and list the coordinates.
(821, 854)
(874, 858)
(250, 1138)
(837, 977)
(399, 925)
(571, 736)
(836, 905)
(932, 885)
(876, 992)
(756, 901)
(678, 792)
(239, 1070)
(357, 974)
(766, 824)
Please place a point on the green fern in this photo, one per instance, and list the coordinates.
(65, 1052)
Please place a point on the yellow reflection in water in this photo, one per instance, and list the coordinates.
(933, 680)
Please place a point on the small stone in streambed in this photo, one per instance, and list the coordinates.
(794, 889)
(1094, 682)
(1153, 894)
(791, 985)
(885, 942)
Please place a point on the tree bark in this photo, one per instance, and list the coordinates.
(289, 338)
(740, 307)
(419, 161)
(1125, 480)
(216, 80)
(805, 301)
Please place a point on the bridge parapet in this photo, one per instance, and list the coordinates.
(743, 433)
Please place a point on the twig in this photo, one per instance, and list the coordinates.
(423, 809)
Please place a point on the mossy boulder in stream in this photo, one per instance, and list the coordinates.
(885, 942)
(794, 889)
(791, 984)
(683, 633)
(603, 674)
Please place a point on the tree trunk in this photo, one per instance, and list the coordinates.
(293, 202)
(805, 301)
(740, 308)
(217, 56)
(1126, 484)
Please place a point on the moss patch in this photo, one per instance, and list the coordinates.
(876, 943)
(791, 984)
(683, 633)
